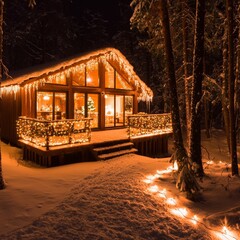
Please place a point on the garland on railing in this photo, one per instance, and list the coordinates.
(149, 124)
(54, 133)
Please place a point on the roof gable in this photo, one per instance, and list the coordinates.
(111, 55)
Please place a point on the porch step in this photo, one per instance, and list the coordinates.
(107, 150)
(116, 154)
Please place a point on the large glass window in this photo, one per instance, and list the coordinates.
(60, 105)
(51, 105)
(128, 106)
(59, 78)
(79, 105)
(119, 110)
(78, 76)
(109, 76)
(121, 83)
(92, 78)
(109, 110)
(92, 108)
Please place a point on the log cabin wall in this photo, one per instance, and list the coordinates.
(23, 102)
(28, 102)
(10, 111)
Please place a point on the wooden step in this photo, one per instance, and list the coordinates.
(112, 148)
(116, 153)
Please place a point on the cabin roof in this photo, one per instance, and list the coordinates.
(40, 72)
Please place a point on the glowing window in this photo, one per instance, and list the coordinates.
(109, 76)
(57, 79)
(51, 105)
(121, 83)
(79, 105)
(78, 76)
(92, 77)
(92, 109)
(128, 106)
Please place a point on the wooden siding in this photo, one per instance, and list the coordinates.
(10, 111)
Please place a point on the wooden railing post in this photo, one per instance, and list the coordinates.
(47, 135)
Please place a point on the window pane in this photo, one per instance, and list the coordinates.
(92, 77)
(109, 76)
(92, 108)
(78, 77)
(79, 105)
(60, 106)
(44, 105)
(109, 110)
(121, 83)
(58, 79)
(119, 110)
(128, 106)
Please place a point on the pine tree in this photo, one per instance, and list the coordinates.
(196, 97)
(2, 184)
(90, 103)
(231, 87)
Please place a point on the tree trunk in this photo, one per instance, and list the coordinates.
(231, 88)
(186, 70)
(195, 130)
(186, 180)
(2, 184)
(225, 85)
(237, 91)
(207, 107)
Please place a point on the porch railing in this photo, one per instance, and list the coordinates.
(54, 133)
(149, 124)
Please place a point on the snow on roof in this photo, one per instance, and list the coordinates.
(145, 93)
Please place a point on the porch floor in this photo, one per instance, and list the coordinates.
(146, 145)
(108, 135)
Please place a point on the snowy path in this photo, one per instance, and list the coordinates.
(111, 203)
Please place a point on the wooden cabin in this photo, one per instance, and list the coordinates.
(101, 85)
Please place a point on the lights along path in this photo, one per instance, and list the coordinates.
(222, 232)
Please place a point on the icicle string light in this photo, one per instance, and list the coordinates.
(224, 233)
(54, 133)
(149, 124)
(12, 89)
(59, 76)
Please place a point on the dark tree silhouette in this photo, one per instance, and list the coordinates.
(196, 97)
(186, 180)
(2, 184)
(231, 87)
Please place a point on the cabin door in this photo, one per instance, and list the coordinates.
(117, 108)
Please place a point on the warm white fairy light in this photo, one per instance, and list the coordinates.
(162, 193)
(210, 162)
(195, 219)
(153, 189)
(161, 172)
(54, 133)
(224, 233)
(171, 201)
(149, 124)
(181, 212)
(58, 76)
(151, 177)
(148, 181)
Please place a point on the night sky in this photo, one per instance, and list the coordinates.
(109, 9)
(54, 30)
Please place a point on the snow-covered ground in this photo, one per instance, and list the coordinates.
(112, 199)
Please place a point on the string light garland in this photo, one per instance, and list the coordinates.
(149, 124)
(60, 72)
(225, 233)
(54, 133)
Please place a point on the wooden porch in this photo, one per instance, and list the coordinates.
(154, 146)
(51, 143)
